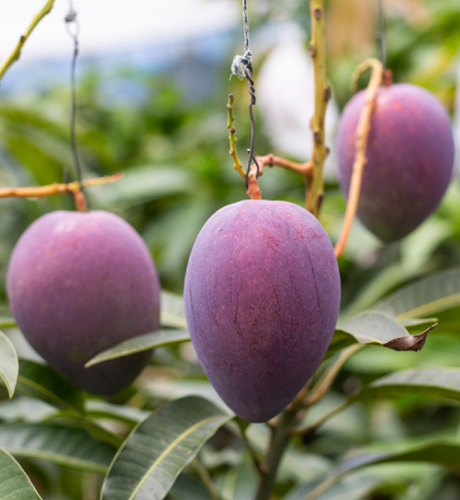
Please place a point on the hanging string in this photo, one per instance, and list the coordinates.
(242, 68)
(381, 34)
(73, 28)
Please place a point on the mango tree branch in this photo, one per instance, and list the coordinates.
(52, 189)
(317, 47)
(22, 39)
(362, 133)
(270, 160)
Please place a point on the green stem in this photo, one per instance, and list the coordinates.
(278, 442)
(251, 450)
(14, 56)
(206, 479)
(315, 188)
(324, 418)
(232, 138)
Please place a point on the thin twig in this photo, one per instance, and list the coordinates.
(52, 189)
(232, 137)
(249, 447)
(317, 46)
(324, 384)
(206, 479)
(322, 420)
(362, 132)
(254, 172)
(270, 160)
(14, 56)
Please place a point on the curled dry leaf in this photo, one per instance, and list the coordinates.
(409, 342)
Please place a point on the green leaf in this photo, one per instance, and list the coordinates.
(41, 382)
(375, 327)
(15, 484)
(189, 488)
(7, 322)
(97, 408)
(239, 483)
(432, 382)
(9, 364)
(425, 297)
(157, 450)
(172, 310)
(141, 343)
(355, 487)
(145, 183)
(444, 453)
(69, 446)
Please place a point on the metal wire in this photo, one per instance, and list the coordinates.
(381, 34)
(242, 68)
(73, 28)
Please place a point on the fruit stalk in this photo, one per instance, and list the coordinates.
(362, 133)
(15, 54)
(317, 48)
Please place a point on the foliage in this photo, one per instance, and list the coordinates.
(381, 424)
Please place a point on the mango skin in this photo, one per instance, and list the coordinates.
(79, 283)
(410, 156)
(262, 296)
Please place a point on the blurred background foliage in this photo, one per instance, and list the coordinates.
(173, 150)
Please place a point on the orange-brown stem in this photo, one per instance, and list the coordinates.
(362, 132)
(53, 189)
(270, 160)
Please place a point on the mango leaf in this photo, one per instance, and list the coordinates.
(145, 183)
(141, 343)
(7, 322)
(156, 451)
(239, 483)
(41, 382)
(9, 364)
(340, 340)
(188, 488)
(69, 446)
(425, 297)
(375, 327)
(172, 310)
(432, 382)
(356, 487)
(15, 483)
(446, 453)
(24, 409)
(97, 408)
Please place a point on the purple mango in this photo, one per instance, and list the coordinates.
(410, 155)
(262, 296)
(79, 283)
